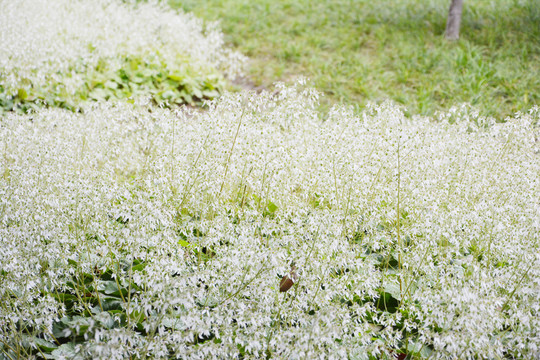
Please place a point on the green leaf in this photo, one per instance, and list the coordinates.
(22, 94)
(392, 289)
(187, 97)
(139, 267)
(111, 84)
(176, 77)
(169, 94)
(137, 316)
(98, 94)
(44, 345)
(111, 288)
(63, 297)
(111, 303)
(271, 207)
(72, 262)
(184, 243)
(66, 351)
(60, 329)
(198, 93)
(387, 302)
(210, 94)
(78, 324)
(113, 318)
(174, 324)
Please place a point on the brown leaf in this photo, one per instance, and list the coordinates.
(285, 284)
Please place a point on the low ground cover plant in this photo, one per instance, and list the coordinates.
(62, 53)
(129, 230)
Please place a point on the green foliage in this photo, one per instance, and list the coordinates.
(167, 83)
(358, 51)
(91, 301)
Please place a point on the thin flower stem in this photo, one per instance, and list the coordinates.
(231, 151)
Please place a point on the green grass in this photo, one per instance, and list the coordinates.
(357, 51)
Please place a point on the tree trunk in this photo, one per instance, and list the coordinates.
(454, 20)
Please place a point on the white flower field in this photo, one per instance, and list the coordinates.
(133, 231)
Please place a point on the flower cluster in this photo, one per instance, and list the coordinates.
(66, 49)
(142, 231)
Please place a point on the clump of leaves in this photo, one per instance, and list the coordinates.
(165, 82)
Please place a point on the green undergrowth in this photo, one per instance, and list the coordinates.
(102, 298)
(165, 82)
(357, 51)
(91, 301)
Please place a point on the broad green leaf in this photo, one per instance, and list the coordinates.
(169, 94)
(44, 345)
(66, 351)
(63, 297)
(111, 303)
(272, 207)
(173, 323)
(177, 77)
(197, 92)
(22, 94)
(184, 243)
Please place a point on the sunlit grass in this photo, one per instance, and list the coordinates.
(358, 51)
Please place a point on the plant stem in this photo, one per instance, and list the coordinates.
(231, 152)
(261, 270)
(517, 286)
(398, 217)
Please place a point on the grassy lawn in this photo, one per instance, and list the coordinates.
(357, 51)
